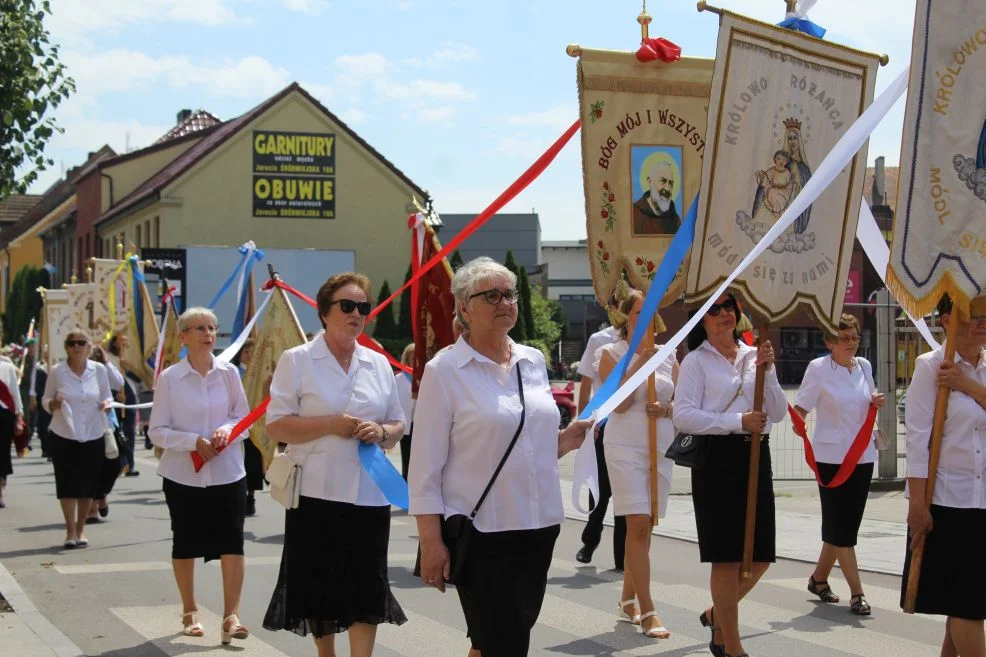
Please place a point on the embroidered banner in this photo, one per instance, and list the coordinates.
(142, 332)
(107, 275)
(939, 236)
(82, 299)
(169, 340)
(643, 139)
(58, 321)
(281, 330)
(780, 101)
(434, 306)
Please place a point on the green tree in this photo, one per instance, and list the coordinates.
(386, 327)
(23, 303)
(524, 289)
(404, 327)
(455, 261)
(519, 331)
(33, 83)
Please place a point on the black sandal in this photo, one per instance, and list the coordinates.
(859, 606)
(708, 620)
(822, 590)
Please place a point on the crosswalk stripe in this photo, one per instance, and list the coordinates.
(162, 626)
(99, 568)
(423, 637)
(879, 597)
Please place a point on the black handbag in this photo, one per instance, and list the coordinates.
(688, 450)
(458, 528)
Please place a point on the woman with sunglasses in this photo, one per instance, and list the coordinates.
(197, 402)
(328, 396)
(841, 387)
(474, 401)
(76, 394)
(713, 398)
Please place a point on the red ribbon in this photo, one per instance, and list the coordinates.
(659, 48)
(859, 445)
(239, 428)
(508, 195)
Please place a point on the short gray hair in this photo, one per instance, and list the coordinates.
(194, 313)
(470, 275)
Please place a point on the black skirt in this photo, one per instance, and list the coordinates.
(253, 461)
(8, 423)
(843, 506)
(333, 570)
(78, 467)
(503, 586)
(206, 522)
(953, 571)
(719, 498)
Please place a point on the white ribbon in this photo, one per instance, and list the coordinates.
(801, 11)
(419, 235)
(131, 406)
(244, 266)
(830, 168)
(233, 349)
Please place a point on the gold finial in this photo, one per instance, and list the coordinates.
(573, 50)
(119, 250)
(89, 273)
(72, 279)
(705, 6)
(644, 19)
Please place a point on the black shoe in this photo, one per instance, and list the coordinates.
(251, 506)
(584, 555)
(618, 566)
(132, 473)
(148, 444)
(103, 511)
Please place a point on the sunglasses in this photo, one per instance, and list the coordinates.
(717, 308)
(495, 296)
(348, 305)
(76, 343)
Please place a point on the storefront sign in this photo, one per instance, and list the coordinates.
(166, 264)
(294, 174)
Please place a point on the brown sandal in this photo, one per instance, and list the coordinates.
(859, 606)
(822, 590)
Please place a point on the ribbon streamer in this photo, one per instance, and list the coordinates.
(229, 352)
(237, 429)
(247, 250)
(798, 20)
(848, 466)
(652, 49)
(384, 474)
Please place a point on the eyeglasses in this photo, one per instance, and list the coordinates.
(76, 343)
(495, 296)
(849, 339)
(204, 329)
(717, 308)
(348, 305)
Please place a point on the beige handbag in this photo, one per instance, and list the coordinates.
(284, 477)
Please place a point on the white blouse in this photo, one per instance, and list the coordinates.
(403, 382)
(467, 411)
(630, 427)
(189, 406)
(589, 365)
(962, 464)
(8, 374)
(707, 381)
(842, 399)
(309, 382)
(80, 417)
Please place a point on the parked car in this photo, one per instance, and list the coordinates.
(900, 408)
(565, 400)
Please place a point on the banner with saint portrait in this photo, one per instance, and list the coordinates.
(939, 234)
(780, 101)
(643, 139)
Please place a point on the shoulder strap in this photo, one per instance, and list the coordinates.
(739, 388)
(513, 441)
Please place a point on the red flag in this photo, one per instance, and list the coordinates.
(435, 307)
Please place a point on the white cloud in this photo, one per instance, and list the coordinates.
(422, 90)
(356, 69)
(436, 114)
(520, 147)
(352, 116)
(560, 117)
(450, 53)
(305, 6)
(72, 19)
(91, 133)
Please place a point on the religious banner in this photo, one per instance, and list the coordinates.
(112, 275)
(82, 299)
(780, 101)
(281, 331)
(58, 322)
(643, 140)
(939, 236)
(142, 333)
(435, 307)
(170, 352)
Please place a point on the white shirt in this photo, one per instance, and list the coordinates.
(8, 374)
(80, 417)
(403, 382)
(589, 365)
(630, 427)
(188, 406)
(707, 381)
(309, 382)
(962, 463)
(122, 381)
(114, 375)
(842, 399)
(467, 412)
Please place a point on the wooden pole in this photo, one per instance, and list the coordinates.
(754, 473)
(937, 428)
(652, 439)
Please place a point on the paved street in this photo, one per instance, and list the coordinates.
(117, 598)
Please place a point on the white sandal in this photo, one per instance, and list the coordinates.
(236, 631)
(195, 628)
(659, 632)
(633, 619)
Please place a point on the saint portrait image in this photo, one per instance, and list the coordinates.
(656, 177)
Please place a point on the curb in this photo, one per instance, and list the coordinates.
(25, 610)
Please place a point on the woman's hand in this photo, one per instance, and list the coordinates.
(341, 425)
(436, 567)
(220, 438)
(919, 522)
(950, 376)
(205, 449)
(658, 410)
(56, 403)
(570, 438)
(878, 399)
(765, 354)
(754, 422)
(105, 405)
(369, 432)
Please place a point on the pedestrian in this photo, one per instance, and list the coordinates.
(111, 467)
(476, 401)
(197, 402)
(953, 530)
(713, 398)
(11, 421)
(253, 460)
(39, 376)
(127, 395)
(403, 381)
(593, 531)
(840, 386)
(327, 396)
(77, 393)
(628, 462)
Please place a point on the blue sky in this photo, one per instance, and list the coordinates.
(460, 95)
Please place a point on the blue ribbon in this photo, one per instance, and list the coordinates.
(666, 271)
(138, 277)
(384, 474)
(258, 254)
(240, 319)
(112, 419)
(804, 26)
